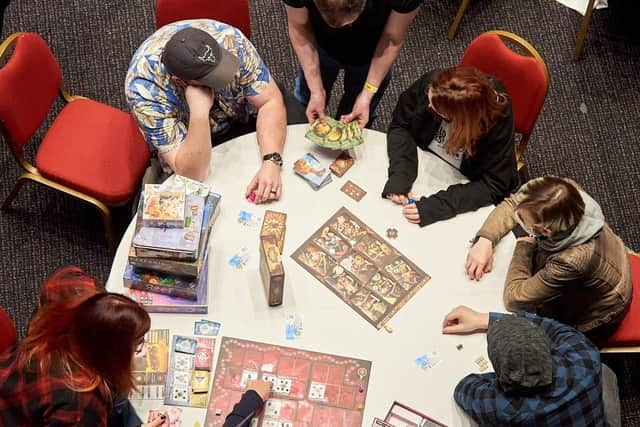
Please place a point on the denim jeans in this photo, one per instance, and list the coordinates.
(354, 79)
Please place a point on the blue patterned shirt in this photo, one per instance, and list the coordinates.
(574, 398)
(159, 106)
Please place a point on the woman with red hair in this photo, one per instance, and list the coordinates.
(76, 360)
(464, 117)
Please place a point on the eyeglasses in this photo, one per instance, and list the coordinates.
(529, 230)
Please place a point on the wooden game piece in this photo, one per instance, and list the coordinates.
(388, 328)
(271, 270)
(392, 233)
(459, 346)
(354, 191)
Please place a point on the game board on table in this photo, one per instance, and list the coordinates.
(361, 268)
(309, 389)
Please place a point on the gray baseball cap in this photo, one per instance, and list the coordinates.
(192, 54)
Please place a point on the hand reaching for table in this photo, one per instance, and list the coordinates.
(410, 210)
(161, 421)
(462, 320)
(267, 184)
(479, 259)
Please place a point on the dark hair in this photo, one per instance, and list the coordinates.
(553, 203)
(468, 99)
(66, 283)
(88, 341)
(334, 12)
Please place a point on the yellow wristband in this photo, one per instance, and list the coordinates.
(370, 88)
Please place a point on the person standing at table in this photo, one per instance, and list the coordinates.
(464, 117)
(362, 37)
(546, 373)
(76, 361)
(197, 83)
(571, 267)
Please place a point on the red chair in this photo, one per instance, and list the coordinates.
(232, 12)
(626, 339)
(92, 151)
(525, 77)
(7, 331)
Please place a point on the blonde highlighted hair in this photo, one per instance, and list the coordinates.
(554, 203)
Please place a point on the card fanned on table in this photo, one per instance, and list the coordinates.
(334, 134)
(150, 366)
(360, 267)
(308, 388)
(314, 172)
(189, 373)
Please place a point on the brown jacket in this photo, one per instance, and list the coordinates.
(586, 286)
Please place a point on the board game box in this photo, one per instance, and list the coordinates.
(150, 366)
(360, 267)
(309, 389)
(189, 373)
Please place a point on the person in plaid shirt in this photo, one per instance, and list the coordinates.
(546, 373)
(76, 359)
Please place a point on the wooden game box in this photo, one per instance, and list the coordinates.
(271, 270)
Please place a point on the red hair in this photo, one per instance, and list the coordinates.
(87, 341)
(469, 101)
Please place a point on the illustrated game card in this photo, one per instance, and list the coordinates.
(352, 190)
(274, 224)
(150, 366)
(342, 164)
(310, 168)
(360, 267)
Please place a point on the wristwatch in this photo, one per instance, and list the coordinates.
(274, 157)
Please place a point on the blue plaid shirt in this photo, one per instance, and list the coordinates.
(574, 398)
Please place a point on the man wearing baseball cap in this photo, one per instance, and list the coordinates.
(546, 373)
(197, 83)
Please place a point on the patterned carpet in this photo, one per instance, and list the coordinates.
(589, 128)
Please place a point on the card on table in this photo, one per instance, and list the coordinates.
(352, 190)
(342, 164)
(314, 172)
(206, 327)
(174, 413)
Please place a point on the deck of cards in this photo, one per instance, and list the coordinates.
(341, 164)
(314, 172)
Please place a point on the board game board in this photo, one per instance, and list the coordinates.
(403, 416)
(361, 268)
(309, 389)
(150, 366)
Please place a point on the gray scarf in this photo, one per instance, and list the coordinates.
(589, 227)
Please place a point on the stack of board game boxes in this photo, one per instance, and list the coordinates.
(167, 269)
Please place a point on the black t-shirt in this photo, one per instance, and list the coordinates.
(354, 44)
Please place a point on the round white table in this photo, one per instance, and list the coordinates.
(237, 299)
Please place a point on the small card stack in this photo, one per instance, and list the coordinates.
(341, 164)
(190, 371)
(271, 270)
(310, 168)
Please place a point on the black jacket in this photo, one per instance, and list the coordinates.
(244, 410)
(492, 170)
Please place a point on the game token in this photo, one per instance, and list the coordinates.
(252, 197)
(411, 202)
(388, 328)
(218, 412)
(459, 346)
(392, 233)
(240, 258)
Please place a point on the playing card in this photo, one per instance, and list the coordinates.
(181, 378)
(282, 385)
(272, 408)
(352, 190)
(247, 375)
(174, 413)
(203, 358)
(185, 345)
(341, 164)
(274, 224)
(200, 381)
(271, 378)
(183, 362)
(206, 327)
(316, 391)
(334, 134)
(180, 394)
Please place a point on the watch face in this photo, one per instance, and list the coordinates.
(276, 157)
